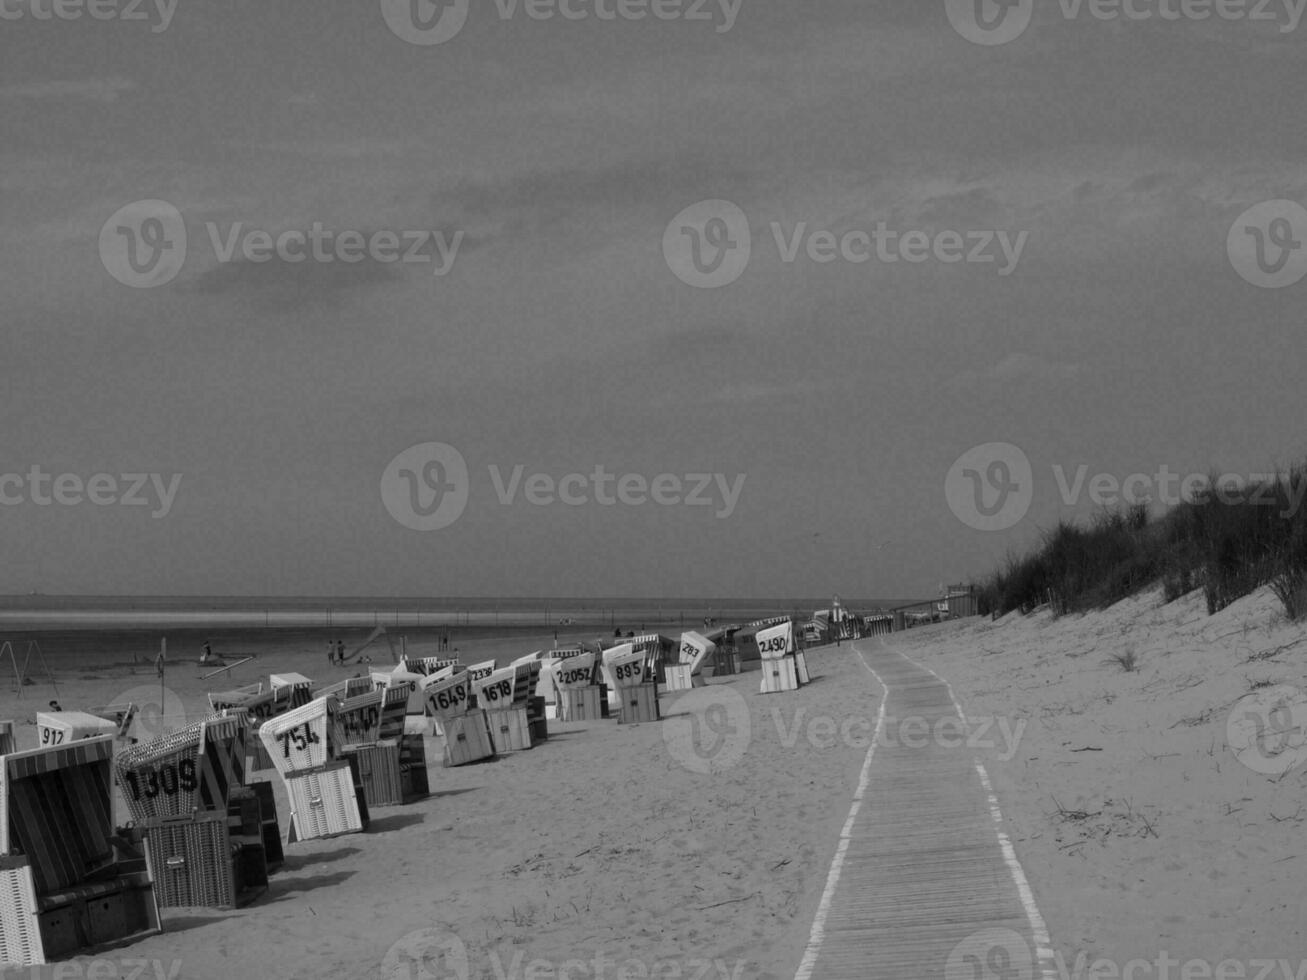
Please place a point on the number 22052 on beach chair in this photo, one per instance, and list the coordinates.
(62, 881)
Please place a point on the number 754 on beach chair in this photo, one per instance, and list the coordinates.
(326, 792)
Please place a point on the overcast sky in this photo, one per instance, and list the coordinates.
(269, 398)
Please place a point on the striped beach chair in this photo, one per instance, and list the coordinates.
(61, 875)
(348, 688)
(181, 790)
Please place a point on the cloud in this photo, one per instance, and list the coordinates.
(91, 89)
(1021, 366)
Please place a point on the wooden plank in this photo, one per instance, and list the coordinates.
(923, 869)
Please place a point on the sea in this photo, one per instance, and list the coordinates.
(38, 612)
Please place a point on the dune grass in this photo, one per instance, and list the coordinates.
(1226, 541)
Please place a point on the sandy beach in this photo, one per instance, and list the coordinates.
(1140, 830)
(606, 841)
(698, 846)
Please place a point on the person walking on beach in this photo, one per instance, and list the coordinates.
(331, 653)
(206, 653)
(340, 652)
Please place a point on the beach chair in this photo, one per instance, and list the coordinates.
(506, 714)
(631, 673)
(326, 792)
(300, 688)
(526, 682)
(465, 729)
(391, 770)
(180, 790)
(64, 882)
(122, 715)
(695, 649)
(194, 768)
(579, 695)
(779, 663)
(196, 861)
(62, 727)
(348, 688)
(257, 706)
(7, 737)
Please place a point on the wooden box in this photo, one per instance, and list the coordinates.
(639, 704)
(509, 729)
(582, 704)
(324, 802)
(801, 668)
(195, 862)
(779, 675)
(467, 738)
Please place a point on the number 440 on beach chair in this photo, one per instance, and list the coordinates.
(66, 881)
(392, 770)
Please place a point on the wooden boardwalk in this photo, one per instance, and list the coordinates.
(923, 864)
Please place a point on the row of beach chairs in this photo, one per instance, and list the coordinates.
(204, 832)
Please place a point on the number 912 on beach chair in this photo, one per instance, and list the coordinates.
(63, 885)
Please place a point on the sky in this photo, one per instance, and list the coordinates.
(980, 279)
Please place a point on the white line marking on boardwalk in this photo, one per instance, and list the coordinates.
(818, 933)
(1043, 944)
